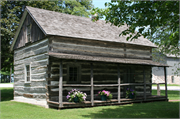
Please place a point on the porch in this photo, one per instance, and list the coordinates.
(117, 82)
(105, 103)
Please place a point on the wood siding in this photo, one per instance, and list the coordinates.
(36, 33)
(35, 55)
(98, 48)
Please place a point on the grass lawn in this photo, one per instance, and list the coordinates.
(7, 83)
(167, 85)
(11, 109)
(172, 95)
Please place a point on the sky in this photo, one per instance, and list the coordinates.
(100, 3)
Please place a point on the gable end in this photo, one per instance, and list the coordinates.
(21, 38)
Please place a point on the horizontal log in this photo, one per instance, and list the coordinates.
(37, 70)
(41, 50)
(126, 84)
(80, 85)
(105, 85)
(38, 83)
(19, 79)
(19, 72)
(19, 67)
(30, 48)
(36, 89)
(34, 95)
(85, 42)
(36, 45)
(39, 63)
(31, 59)
(38, 76)
(19, 76)
(74, 48)
(137, 51)
(102, 81)
(53, 102)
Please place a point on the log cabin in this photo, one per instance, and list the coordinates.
(55, 53)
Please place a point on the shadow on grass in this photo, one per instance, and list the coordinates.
(6, 94)
(138, 110)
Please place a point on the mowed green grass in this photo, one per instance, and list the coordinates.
(11, 110)
(172, 95)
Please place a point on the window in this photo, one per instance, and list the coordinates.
(73, 73)
(28, 33)
(27, 73)
(172, 79)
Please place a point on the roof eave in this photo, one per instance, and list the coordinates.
(20, 25)
(36, 21)
(18, 30)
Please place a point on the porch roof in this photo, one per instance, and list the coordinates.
(106, 59)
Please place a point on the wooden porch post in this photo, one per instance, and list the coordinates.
(119, 88)
(60, 85)
(165, 78)
(144, 83)
(92, 86)
(158, 90)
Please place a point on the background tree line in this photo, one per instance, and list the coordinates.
(11, 13)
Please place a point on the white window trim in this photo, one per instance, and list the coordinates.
(25, 72)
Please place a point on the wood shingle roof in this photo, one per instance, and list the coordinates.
(60, 24)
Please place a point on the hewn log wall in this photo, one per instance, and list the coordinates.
(98, 48)
(35, 55)
(103, 74)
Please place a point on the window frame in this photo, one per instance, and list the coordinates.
(25, 72)
(78, 73)
(28, 33)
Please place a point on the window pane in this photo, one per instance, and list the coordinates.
(28, 74)
(73, 73)
(28, 78)
(28, 29)
(70, 70)
(27, 68)
(28, 37)
(75, 69)
(70, 78)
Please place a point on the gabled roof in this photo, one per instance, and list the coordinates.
(60, 24)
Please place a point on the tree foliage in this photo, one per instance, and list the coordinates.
(11, 13)
(156, 20)
(76, 7)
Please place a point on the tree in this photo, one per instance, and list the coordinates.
(11, 13)
(155, 20)
(76, 7)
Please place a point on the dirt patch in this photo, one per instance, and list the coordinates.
(174, 100)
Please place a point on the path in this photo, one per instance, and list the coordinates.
(6, 85)
(175, 88)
